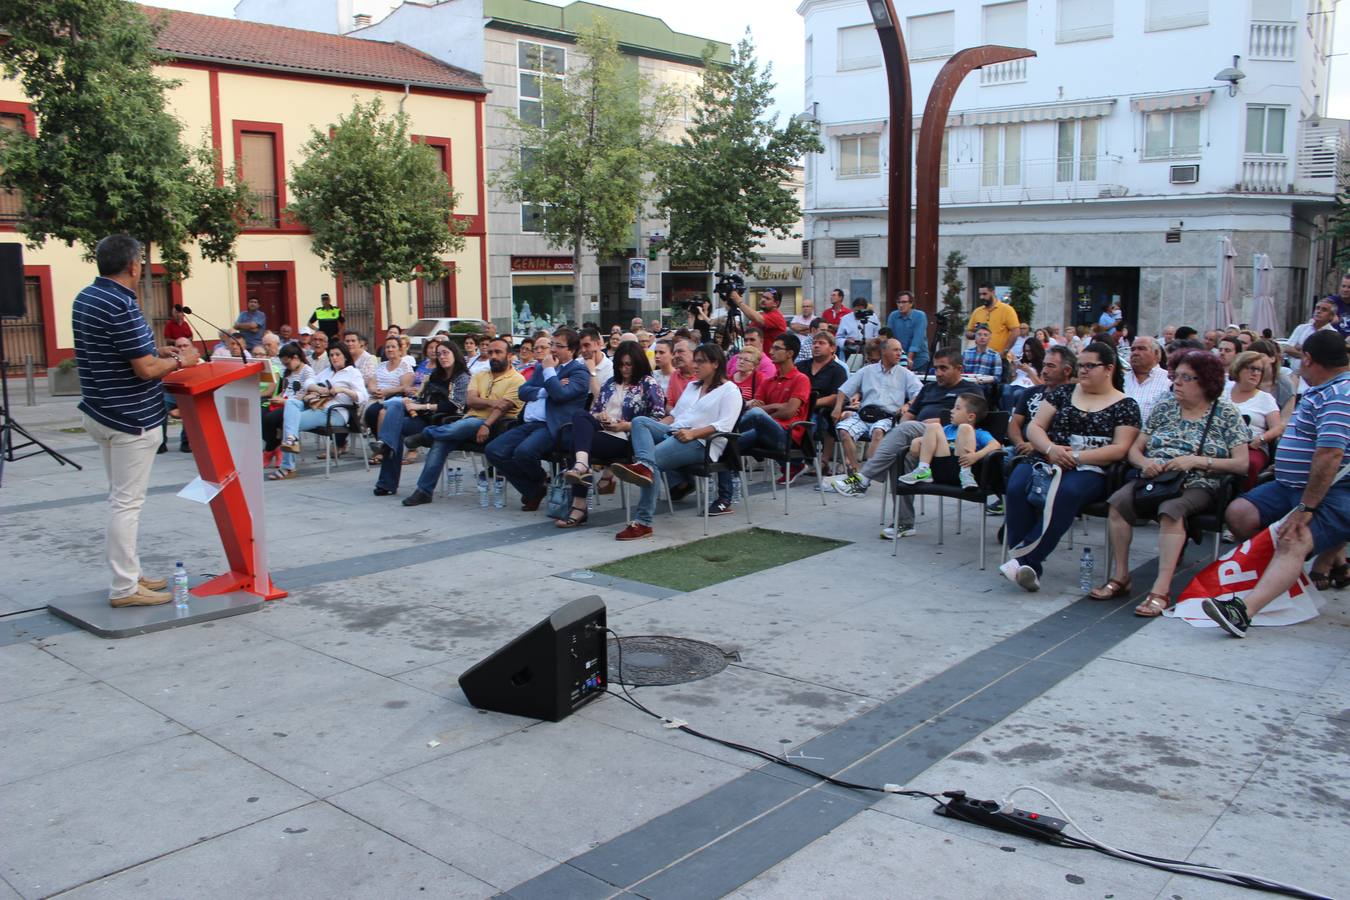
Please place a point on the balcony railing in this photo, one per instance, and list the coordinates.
(1323, 162)
(1010, 72)
(11, 204)
(263, 211)
(1272, 40)
(1265, 175)
(1038, 180)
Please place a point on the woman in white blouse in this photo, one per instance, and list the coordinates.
(341, 385)
(708, 405)
(393, 378)
(1262, 413)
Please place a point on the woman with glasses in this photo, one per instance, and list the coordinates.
(604, 430)
(341, 385)
(446, 390)
(1078, 431)
(709, 404)
(1172, 442)
(1248, 371)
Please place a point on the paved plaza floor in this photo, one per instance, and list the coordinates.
(322, 748)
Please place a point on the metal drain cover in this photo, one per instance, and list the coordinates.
(650, 660)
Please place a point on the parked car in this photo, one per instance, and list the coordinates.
(422, 329)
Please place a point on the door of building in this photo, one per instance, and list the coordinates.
(1091, 290)
(26, 336)
(270, 289)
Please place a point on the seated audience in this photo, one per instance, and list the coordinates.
(961, 438)
(883, 388)
(1313, 451)
(603, 431)
(1264, 425)
(1172, 442)
(746, 373)
(445, 392)
(1078, 430)
(663, 362)
(979, 360)
(297, 373)
(710, 404)
(393, 378)
(827, 375)
(754, 338)
(1147, 382)
(1277, 381)
(342, 386)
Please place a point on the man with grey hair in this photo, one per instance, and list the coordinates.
(1147, 382)
(123, 404)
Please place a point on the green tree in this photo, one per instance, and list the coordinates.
(108, 155)
(953, 288)
(723, 185)
(378, 205)
(1022, 288)
(586, 160)
(1338, 231)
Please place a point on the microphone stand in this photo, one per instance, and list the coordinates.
(9, 450)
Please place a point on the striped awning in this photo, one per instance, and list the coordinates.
(1043, 112)
(1161, 102)
(873, 127)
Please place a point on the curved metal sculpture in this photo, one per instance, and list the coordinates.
(900, 184)
(930, 160)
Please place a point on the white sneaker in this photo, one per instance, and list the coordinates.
(967, 480)
(850, 485)
(888, 532)
(918, 475)
(1023, 576)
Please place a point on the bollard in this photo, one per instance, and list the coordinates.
(28, 379)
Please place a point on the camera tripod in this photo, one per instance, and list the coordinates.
(9, 429)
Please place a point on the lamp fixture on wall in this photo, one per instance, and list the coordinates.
(1232, 75)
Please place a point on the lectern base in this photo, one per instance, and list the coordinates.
(92, 613)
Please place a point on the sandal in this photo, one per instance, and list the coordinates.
(607, 483)
(1320, 580)
(282, 474)
(578, 475)
(1153, 606)
(1340, 575)
(1111, 590)
(571, 521)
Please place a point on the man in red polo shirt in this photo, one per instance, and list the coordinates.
(767, 317)
(779, 403)
(177, 326)
(837, 309)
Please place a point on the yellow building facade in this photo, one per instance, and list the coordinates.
(257, 92)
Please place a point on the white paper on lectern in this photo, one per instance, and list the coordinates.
(199, 490)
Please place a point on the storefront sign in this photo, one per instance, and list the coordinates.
(769, 273)
(541, 264)
(697, 265)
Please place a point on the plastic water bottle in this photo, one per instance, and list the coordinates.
(180, 587)
(499, 492)
(456, 481)
(590, 501)
(1085, 567)
(736, 488)
(482, 490)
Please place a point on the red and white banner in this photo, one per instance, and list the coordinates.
(1234, 574)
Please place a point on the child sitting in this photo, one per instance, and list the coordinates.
(961, 437)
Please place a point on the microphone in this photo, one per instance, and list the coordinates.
(187, 311)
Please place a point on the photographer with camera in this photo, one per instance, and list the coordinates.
(856, 328)
(767, 317)
(700, 317)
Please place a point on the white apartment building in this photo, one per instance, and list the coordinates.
(1111, 164)
(515, 45)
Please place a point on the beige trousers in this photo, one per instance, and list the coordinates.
(127, 459)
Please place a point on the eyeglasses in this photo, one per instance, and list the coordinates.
(1185, 379)
(1257, 370)
(1088, 367)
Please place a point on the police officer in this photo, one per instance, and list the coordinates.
(327, 318)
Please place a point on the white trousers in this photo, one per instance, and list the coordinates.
(127, 459)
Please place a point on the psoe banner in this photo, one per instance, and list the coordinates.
(637, 279)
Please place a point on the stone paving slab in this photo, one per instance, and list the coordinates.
(26, 671)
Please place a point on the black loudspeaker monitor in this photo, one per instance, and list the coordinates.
(549, 671)
(12, 305)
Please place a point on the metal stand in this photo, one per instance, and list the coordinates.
(9, 450)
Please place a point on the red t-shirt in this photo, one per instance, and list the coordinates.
(833, 315)
(673, 390)
(781, 389)
(174, 330)
(773, 326)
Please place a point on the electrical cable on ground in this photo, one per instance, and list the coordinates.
(989, 814)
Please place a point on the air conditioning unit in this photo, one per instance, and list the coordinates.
(1184, 174)
(847, 248)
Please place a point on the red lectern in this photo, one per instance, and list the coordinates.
(218, 402)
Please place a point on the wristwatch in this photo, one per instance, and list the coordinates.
(1303, 507)
(1078, 457)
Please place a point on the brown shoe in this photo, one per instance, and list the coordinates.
(153, 584)
(530, 504)
(633, 473)
(634, 532)
(142, 597)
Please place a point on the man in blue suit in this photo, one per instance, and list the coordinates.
(557, 389)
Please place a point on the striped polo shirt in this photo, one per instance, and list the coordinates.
(110, 332)
(1322, 419)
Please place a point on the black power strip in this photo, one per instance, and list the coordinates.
(1000, 817)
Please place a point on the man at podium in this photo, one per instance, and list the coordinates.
(123, 404)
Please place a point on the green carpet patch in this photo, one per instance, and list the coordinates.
(716, 559)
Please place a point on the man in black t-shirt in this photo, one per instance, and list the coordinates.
(827, 375)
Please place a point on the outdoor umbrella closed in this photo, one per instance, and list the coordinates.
(1223, 301)
(1263, 304)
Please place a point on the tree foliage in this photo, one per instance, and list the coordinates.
(1338, 231)
(378, 205)
(953, 288)
(586, 161)
(108, 155)
(723, 184)
(1022, 288)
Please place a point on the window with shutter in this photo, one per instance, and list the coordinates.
(1006, 24)
(931, 36)
(258, 169)
(1164, 15)
(859, 48)
(1083, 20)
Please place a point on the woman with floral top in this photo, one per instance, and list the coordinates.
(605, 429)
(1172, 442)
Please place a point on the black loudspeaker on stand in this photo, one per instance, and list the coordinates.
(12, 307)
(549, 671)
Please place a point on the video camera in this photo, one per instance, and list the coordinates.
(694, 304)
(727, 282)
